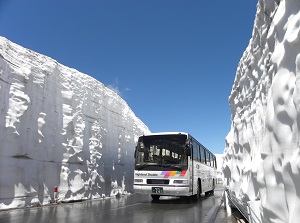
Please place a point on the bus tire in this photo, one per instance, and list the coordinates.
(155, 197)
(199, 191)
(213, 187)
(198, 194)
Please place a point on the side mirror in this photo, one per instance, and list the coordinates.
(188, 143)
(188, 151)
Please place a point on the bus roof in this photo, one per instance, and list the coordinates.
(166, 133)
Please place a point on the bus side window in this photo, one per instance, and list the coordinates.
(207, 158)
(195, 151)
(202, 152)
(198, 151)
(215, 163)
(212, 161)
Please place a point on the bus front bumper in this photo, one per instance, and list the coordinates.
(167, 190)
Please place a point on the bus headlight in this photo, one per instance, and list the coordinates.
(180, 181)
(138, 180)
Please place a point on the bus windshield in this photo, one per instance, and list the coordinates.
(160, 152)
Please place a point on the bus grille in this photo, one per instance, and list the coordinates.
(157, 181)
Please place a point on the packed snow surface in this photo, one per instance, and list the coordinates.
(262, 154)
(60, 127)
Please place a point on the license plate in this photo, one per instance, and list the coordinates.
(157, 190)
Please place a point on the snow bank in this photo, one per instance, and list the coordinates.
(262, 154)
(62, 128)
(220, 176)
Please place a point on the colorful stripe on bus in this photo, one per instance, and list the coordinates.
(168, 174)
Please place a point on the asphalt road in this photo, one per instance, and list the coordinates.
(125, 209)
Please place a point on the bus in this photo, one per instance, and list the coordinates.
(173, 164)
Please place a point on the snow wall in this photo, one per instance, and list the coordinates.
(60, 127)
(262, 152)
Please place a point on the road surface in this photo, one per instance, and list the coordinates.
(133, 208)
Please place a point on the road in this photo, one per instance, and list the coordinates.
(124, 209)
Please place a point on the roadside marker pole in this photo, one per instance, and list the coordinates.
(55, 194)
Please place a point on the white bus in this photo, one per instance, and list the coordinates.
(173, 164)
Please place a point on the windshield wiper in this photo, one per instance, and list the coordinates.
(178, 167)
(141, 166)
(170, 165)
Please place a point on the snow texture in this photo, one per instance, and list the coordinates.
(262, 154)
(63, 128)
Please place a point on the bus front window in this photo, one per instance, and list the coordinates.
(161, 150)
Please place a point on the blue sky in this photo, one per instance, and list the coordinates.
(172, 61)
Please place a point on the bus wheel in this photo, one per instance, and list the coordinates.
(198, 189)
(155, 197)
(214, 186)
(198, 195)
